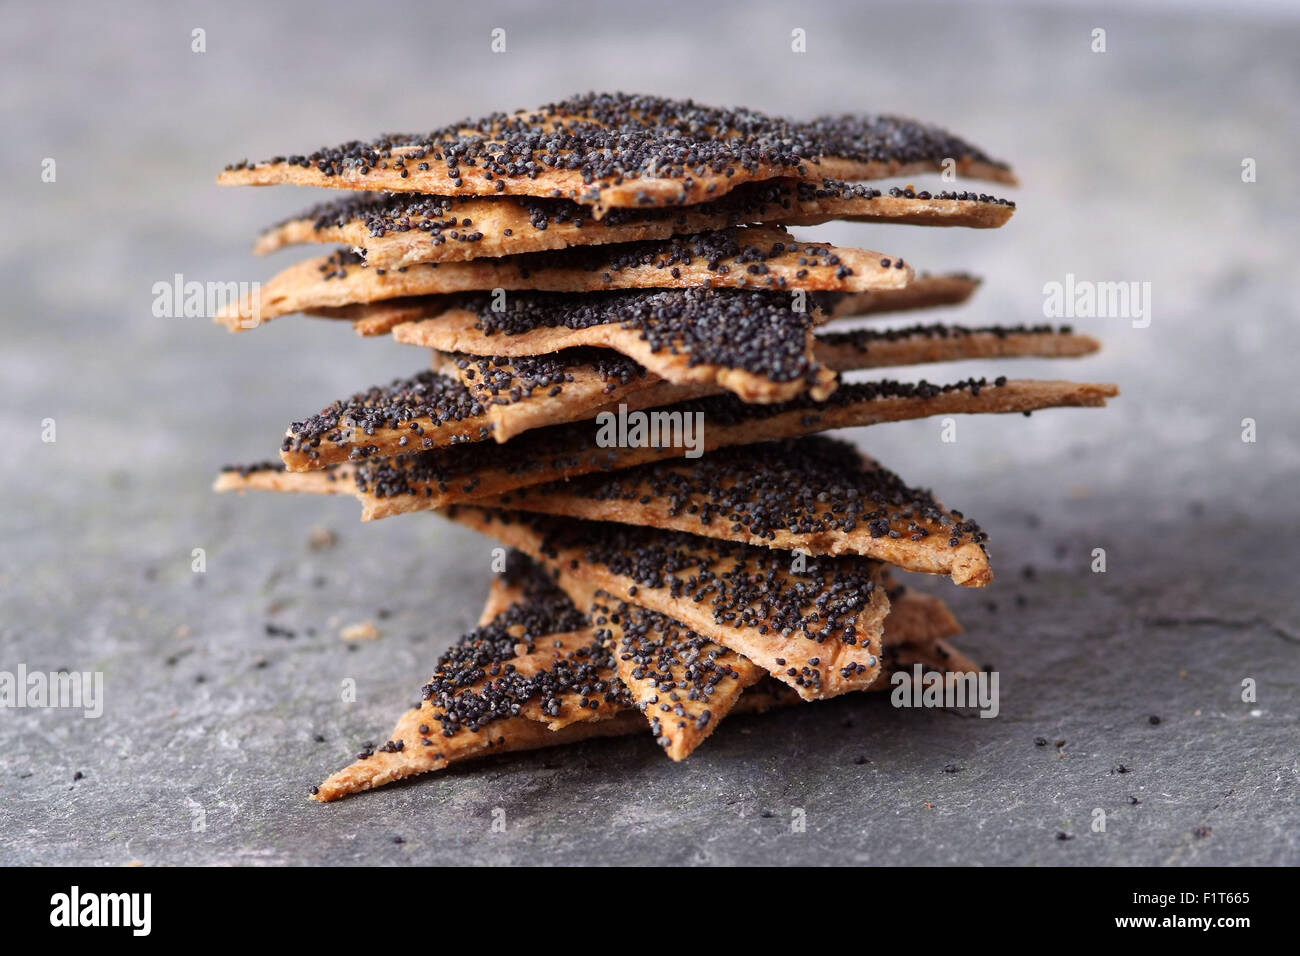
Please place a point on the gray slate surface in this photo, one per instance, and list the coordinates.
(1130, 162)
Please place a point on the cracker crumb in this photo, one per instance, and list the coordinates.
(364, 631)
(321, 539)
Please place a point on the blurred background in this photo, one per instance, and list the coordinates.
(1131, 168)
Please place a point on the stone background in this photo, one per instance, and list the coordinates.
(1131, 168)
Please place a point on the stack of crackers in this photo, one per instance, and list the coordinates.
(627, 364)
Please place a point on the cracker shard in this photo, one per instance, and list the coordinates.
(760, 352)
(464, 473)
(427, 410)
(403, 229)
(923, 292)
(756, 344)
(746, 257)
(432, 479)
(682, 682)
(817, 628)
(524, 390)
(612, 150)
(816, 495)
(538, 658)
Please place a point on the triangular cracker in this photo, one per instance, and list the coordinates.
(617, 150)
(520, 734)
(538, 658)
(425, 411)
(403, 229)
(754, 344)
(746, 257)
(817, 629)
(939, 342)
(682, 682)
(526, 392)
(923, 292)
(914, 634)
(512, 401)
(736, 361)
(469, 398)
(463, 473)
(815, 494)
(589, 384)
(451, 405)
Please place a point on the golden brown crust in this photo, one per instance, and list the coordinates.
(339, 280)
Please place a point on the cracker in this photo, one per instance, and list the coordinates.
(682, 682)
(642, 324)
(939, 342)
(818, 630)
(746, 257)
(439, 477)
(379, 318)
(755, 344)
(529, 392)
(740, 365)
(923, 292)
(617, 150)
(909, 630)
(461, 400)
(424, 411)
(273, 476)
(402, 229)
(504, 736)
(537, 658)
(815, 494)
